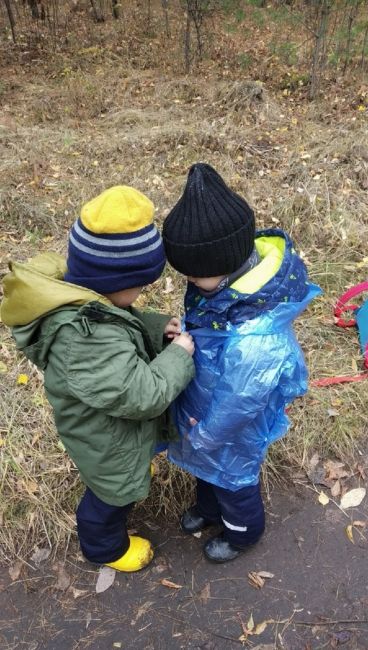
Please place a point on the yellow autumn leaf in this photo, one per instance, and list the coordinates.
(361, 108)
(260, 627)
(3, 367)
(349, 533)
(2, 442)
(250, 624)
(323, 498)
(22, 380)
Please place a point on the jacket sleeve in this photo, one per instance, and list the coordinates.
(119, 382)
(258, 376)
(155, 323)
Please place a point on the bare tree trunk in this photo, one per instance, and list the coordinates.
(352, 15)
(149, 16)
(319, 46)
(11, 19)
(165, 6)
(197, 10)
(365, 43)
(96, 12)
(187, 44)
(116, 9)
(33, 5)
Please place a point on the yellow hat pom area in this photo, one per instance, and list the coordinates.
(119, 209)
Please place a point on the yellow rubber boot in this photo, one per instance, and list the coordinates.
(138, 555)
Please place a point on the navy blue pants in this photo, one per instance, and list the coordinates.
(240, 512)
(102, 529)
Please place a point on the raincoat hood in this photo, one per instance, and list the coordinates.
(279, 279)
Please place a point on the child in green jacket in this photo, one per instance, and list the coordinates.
(108, 374)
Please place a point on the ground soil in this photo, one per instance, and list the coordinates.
(317, 597)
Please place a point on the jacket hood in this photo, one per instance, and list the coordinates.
(279, 280)
(35, 288)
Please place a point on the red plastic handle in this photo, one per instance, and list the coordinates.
(342, 306)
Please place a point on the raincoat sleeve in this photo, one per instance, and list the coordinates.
(258, 376)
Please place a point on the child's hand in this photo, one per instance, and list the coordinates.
(185, 341)
(192, 422)
(173, 328)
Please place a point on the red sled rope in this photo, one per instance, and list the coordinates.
(343, 305)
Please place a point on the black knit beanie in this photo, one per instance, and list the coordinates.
(210, 231)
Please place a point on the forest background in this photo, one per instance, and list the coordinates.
(273, 95)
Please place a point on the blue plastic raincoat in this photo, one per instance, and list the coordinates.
(249, 367)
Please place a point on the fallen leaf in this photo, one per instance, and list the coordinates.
(3, 367)
(255, 580)
(142, 610)
(117, 644)
(359, 523)
(169, 285)
(205, 594)
(22, 380)
(335, 470)
(250, 624)
(360, 470)
(332, 413)
(353, 498)
(106, 577)
(260, 627)
(349, 533)
(254, 630)
(30, 486)
(336, 489)
(40, 555)
(171, 585)
(77, 593)
(14, 571)
(63, 580)
(323, 498)
(266, 574)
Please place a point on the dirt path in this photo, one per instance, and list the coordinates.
(319, 577)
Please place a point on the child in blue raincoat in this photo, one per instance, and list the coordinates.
(244, 291)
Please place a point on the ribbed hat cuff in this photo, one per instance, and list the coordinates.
(125, 279)
(209, 259)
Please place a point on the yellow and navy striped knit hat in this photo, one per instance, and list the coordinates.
(114, 244)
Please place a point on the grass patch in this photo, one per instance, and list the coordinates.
(303, 167)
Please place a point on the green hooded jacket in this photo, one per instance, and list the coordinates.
(106, 374)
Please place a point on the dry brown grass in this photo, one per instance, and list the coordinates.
(303, 168)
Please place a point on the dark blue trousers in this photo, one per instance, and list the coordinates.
(241, 512)
(102, 529)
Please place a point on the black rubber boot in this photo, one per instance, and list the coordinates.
(192, 521)
(218, 549)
